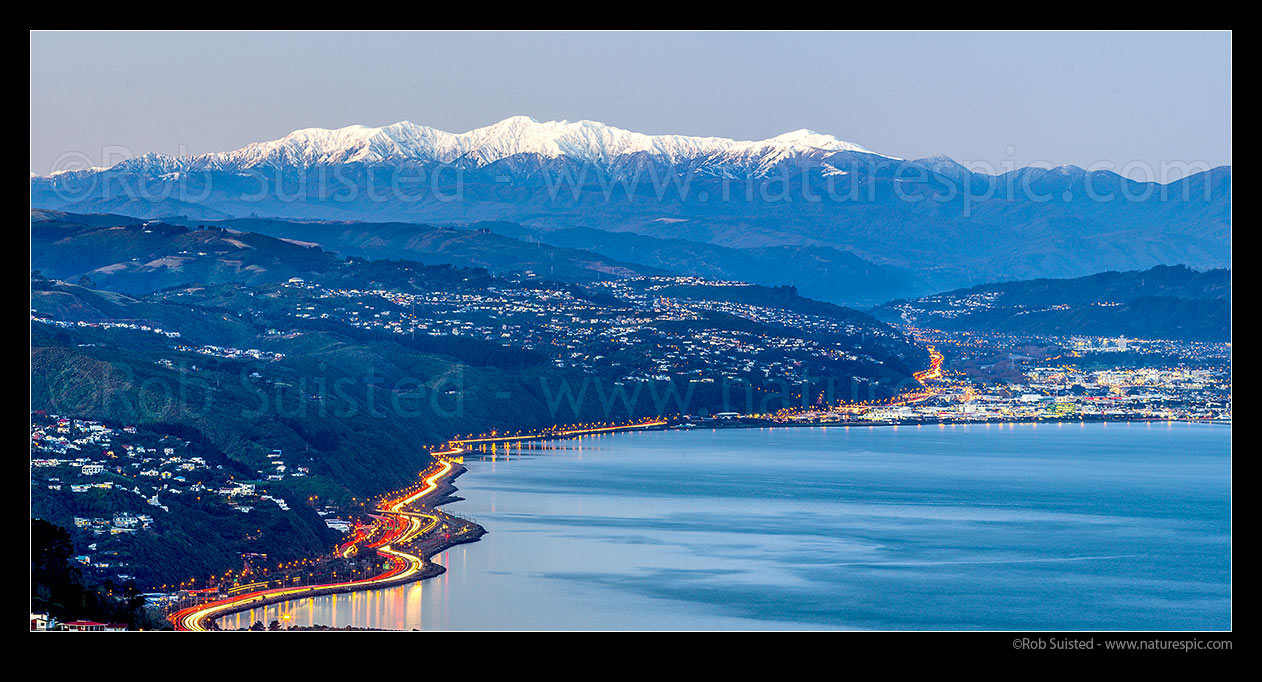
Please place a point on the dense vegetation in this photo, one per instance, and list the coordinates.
(59, 589)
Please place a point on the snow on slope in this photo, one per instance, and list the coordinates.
(584, 141)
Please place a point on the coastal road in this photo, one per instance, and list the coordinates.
(397, 525)
(401, 527)
(557, 433)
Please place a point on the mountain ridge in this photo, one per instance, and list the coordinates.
(586, 141)
(949, 225)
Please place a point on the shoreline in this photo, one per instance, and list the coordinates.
(747, 423)
(444, 489)
(738, 423)
(665, 424)
(404, 617)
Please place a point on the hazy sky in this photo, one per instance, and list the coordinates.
(1001, 99)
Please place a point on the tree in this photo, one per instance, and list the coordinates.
(58, 587)
(55, 583)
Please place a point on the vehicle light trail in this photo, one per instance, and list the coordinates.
(935, 366)
(400, 527)
(397, 528)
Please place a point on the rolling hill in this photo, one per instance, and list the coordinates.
(1163, 302)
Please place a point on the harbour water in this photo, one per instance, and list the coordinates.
(1018, 526)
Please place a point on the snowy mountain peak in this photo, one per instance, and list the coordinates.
(589, 142)
(810, 138)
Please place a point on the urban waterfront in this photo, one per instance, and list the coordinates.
(1000, 526)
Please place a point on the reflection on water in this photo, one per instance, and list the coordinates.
(1117, 526)
(398, 608)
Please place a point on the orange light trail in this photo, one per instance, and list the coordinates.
(400, 527)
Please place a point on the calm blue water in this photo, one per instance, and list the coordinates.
(1117, 526)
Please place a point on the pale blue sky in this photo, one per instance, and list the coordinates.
(992, 98)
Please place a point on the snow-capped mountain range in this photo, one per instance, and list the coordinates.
(931, 217)
(587, 142)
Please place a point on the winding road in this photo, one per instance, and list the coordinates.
(401, 528)
(398, 527)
